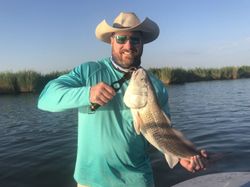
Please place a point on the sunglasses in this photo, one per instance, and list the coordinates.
(123, 39)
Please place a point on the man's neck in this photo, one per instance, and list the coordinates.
(120, 68)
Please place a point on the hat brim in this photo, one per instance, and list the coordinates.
(150, 30)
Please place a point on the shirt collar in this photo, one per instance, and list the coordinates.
(121, 69)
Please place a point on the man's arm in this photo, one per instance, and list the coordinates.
(66, 92)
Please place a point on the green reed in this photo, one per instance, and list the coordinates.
(25, 81)
(31, 81)
(244, 72)
(8, 83)
(180, 75)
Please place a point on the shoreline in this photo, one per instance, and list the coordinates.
(29, 81)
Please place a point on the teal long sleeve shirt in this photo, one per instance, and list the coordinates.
(109, 153)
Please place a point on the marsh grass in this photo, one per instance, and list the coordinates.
(244, 72)
(25, 81)
(180, 75)
(8, 83)
(31, 81)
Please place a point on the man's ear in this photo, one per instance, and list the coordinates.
(111, 40)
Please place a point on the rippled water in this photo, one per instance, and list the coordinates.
(216, 116)
(38, 148)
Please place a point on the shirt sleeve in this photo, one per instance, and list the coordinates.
(165, 103)
(162, 95)
(66, 92)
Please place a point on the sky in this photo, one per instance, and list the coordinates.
(58, 35)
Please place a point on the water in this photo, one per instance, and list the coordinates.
(38, 148)
(216, 116)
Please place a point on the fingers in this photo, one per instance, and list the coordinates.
(193, 164)
(197, 163)
(190, 166)
(101, 93)
(204, 153)
(187, 164)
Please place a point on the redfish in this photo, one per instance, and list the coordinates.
(153, 123)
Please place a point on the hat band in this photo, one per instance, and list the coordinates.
(119, 26)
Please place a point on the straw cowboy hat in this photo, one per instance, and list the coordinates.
(128, 22)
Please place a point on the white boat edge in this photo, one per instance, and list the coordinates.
(225, 179)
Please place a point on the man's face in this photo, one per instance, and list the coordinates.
(127, 48)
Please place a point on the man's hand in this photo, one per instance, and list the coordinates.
(101, 93)
(195, 163)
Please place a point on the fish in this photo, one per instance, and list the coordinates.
(152, 122)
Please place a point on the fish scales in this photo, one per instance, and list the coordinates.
(160, 128)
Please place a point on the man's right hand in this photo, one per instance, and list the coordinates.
(101, 93)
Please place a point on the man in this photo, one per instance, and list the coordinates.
(110, 153)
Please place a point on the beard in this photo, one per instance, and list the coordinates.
(132, 59)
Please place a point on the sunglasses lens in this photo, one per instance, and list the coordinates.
(123, 39)
(135, 40)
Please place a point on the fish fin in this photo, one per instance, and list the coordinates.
(182, 137)
(171, 160)
(167, 118)
(137, 122)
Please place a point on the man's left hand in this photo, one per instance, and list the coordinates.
(195, 163)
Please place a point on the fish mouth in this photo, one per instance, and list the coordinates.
(140, 75)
